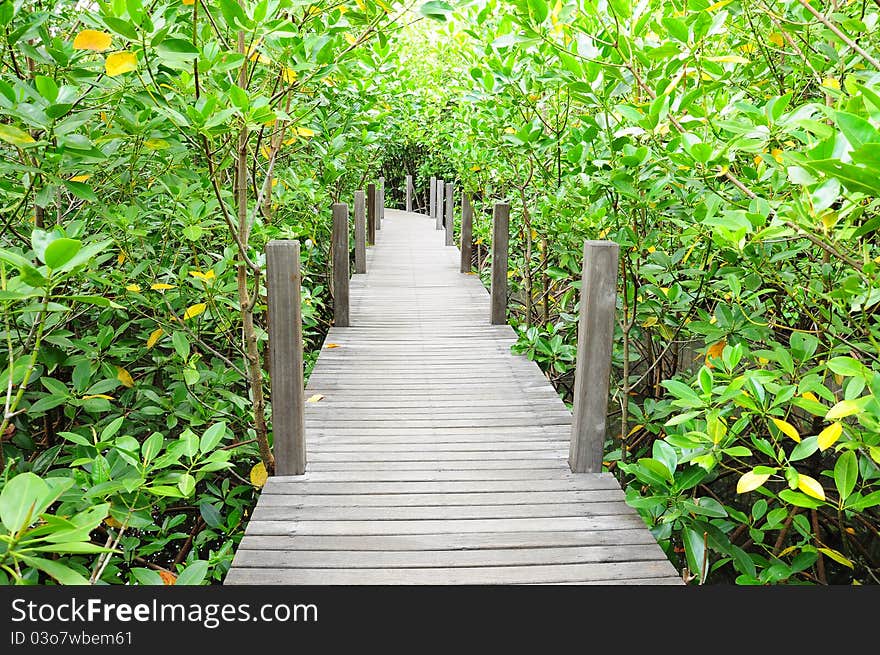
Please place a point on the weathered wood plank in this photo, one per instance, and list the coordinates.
(500, 239)
(340, 265)
(360, 236)
(286, 356)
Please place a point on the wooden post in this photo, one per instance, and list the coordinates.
(450, 216)
(500, 239)
(283, 278)
(593, 367)
(371, 214)
(439, 214)
(467, 233)
(432, 197)
(409, 188)
(340, 265)
(360, 237)
(380, 210)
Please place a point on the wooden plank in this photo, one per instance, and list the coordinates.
(467, 237)
(500, 239)
(283, 279)
(538, 574)
(447, 541)
(424, 526)
(360, 236)
(432, 196)
(447, 473)
(339, 255)
(409, 189)
(439, 499)
(593, 366)
(301, 559)
(441, 194)
(449, 221)
(371, 214)
(454, 512)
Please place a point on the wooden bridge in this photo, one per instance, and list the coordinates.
(434, 454)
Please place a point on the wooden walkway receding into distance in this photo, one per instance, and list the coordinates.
(436, 456)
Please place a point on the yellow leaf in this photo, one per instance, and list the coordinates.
(203, 276)
(155, 335)
(80, 178)
(788, 550)
(751, 481)
(809, 395)
(776, 39)
(837, 557)
(120, 258)
(189, 2)
(718, 5)
(124, 377)
(113, 523)
(635, 429)
(350, 39)
(98, 395)
(776, 153)
(259, 475)
(728, 59)
(133, 288)
(168, 578)
(120, 62)
(194, 310)
(829, 436)
(757, 159)
(156, 144)
(289, 75)
(648, 322)
(92, 40)
(787, 429)
(161, 286)
(829, 219)
(315, 398)
(843, 409)
(810, 486)
(715, 350)
(306, 132)
(332, 345)
(831, 83)
(14, 135)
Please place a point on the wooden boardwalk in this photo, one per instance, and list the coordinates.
(436, 456)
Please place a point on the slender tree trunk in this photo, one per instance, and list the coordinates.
(252, 352)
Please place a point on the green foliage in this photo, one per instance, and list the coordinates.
(730, 149)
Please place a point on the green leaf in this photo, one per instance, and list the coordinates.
(694, 549)
(798, 499)
(212, 436)
(147, 576)
(63, 574)
(539, 9)
(186, 484)
(29, 272)
(846, 473)
(435, 10)
(856, 129)
(848, 367)
(15, 136)
(20, 501)
(60, 252)
(194, 574)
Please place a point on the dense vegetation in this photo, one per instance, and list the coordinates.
(151, 149)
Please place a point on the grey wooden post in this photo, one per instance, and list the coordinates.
(500, 239)
(593, 367)
(360, 237)
(432, 197)
(439, 215)
(380, 212)
(467, 233)
(409, 193)
(340, 265)
(283, 279)
(450, 217)
(371, 214)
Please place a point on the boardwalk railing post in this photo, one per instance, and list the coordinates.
(283, 279)
(380, 210)
(377, 210)
(360, 237)
(593, 367)
(340, 265)
(500, 239)
(409, 189)
(467, 236)
(439, 209)
(371, 214)
(450, 217)
(432, 197)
